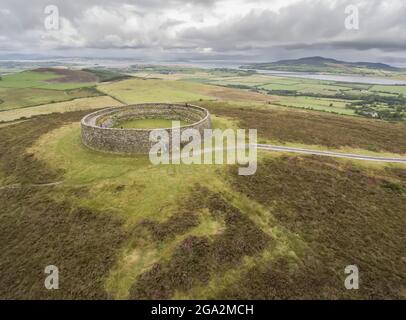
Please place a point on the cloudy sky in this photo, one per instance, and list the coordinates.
(252, 30)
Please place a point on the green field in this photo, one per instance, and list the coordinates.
(26, 79)
(307, 87)
(389, 89)
(29, 88)
(32, 79)
(303, 86)
(14, 98)
(356, 99)
(87, 103)
(142, 91)
(384, 101)
(147, 124)
(319, 104)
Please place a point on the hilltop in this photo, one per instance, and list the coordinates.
(321, 64)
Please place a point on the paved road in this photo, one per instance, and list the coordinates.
(330, 154)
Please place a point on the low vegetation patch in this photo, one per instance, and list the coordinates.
(43, 86)
(64, 75)
(316, 128)
(344, 216)
(59, 107)
(20, 166)
(37, 231)
(196, 259)
(147, 124)
(104, 75)
(16, 98)
(157, 90)
(152, 90)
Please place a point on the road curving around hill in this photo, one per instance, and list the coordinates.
(269, 147)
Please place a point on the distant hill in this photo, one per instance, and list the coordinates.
(320, 64)
(84, 75)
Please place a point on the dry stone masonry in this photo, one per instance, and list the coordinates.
(98, 132)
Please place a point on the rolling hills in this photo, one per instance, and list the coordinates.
(321, 64)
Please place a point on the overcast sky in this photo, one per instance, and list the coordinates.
(257, 30)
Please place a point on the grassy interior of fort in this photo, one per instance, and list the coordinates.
(147, 124)
(119, 227)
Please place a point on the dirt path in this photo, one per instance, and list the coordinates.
(40, 185)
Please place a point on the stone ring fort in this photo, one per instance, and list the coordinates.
(100, 131)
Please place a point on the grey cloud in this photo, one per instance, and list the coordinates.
(307, 26)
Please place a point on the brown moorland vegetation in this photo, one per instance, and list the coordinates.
(317, 128)
(15, 162)
(345, 217)
(69, 75)
(36, 230)
(196, 259)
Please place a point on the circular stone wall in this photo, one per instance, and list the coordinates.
(98, 132)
